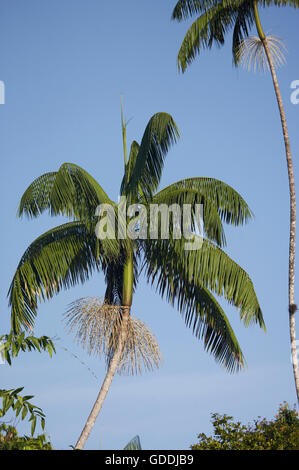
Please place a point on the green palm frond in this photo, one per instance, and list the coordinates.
(231, 207)
(134, 444)
(212, 269)
(131, 163)
(280, 3)
(243, 23)
(208, 29)
(184, 9)
(212, 224)
(70, 191)
(60, 258)
(160, 133)
(201, 312)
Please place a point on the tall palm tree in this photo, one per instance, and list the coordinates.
(217, 18)
(68, 254)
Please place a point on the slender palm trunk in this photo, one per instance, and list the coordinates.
(292, 306)
(115, 361)
(106, 384)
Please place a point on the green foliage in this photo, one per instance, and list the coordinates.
(9, 440)
(280, 433)
(134, 444)
(21, 406)
(144, 173)
(12, 344)
(70, 191)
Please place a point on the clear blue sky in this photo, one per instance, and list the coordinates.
(65, 64)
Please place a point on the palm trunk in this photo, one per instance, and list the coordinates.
(128, 278)
(107, 382)
(292, 306)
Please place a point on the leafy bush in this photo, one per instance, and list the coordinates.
(10, 346)
(281, 433)
(9, 440)
(12, 400)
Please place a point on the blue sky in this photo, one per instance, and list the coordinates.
(65, 64)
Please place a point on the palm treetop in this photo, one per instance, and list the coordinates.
(215, 19)
(70, 253)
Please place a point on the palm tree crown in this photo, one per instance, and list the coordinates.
(215, 19)
(70, 253)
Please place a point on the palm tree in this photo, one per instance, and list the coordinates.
(216, 18)
(68, 254)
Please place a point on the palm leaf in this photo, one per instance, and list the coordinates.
(134, 444)
(207, 29)
(212, 224)
(211, 268)
(243, 23)
(161, 132)
(184, 9)
(280, 3)
(131, 163)
(70, 191)
(201, 312)
(231, 207)
(60, 258)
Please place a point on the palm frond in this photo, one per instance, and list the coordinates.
(209, 28)
(251, 53)
(200, 310)
(160, 133)
(243, 23)
(181, 198)
(131, 163)
(187, 8)
(70, 191)
(134, 444)
(60, 258)
(97, 327)
(212, 269)
(280, 3)
(231, 207)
